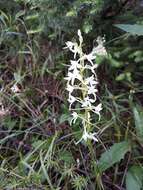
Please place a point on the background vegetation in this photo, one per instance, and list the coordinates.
(37, 144)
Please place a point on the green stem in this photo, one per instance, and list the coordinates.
(98, 180)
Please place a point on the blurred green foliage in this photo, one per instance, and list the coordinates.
(32, 36)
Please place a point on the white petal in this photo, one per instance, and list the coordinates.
(75, 116)
(70, 88)
(87, 136)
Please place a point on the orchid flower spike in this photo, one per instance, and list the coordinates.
(82, 81)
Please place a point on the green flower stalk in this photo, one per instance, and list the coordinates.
(82, 81)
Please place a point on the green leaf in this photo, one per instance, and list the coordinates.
(9, 123)
(18, 77)
(134, 29)
(138, 117)
(35, 31)
(66, 156)
(124, 76)
(121, 77)
(20, 13)
(134, 178)
(31, 17)
(87, 28)
(113, 62)
(113, 155)
(71, 13)
(65, 117)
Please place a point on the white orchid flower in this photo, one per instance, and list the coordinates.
(74, 117)
(71, 100)
(87, 102)
(74, 65)
(72, 75)
(73, 47)
(86, 136)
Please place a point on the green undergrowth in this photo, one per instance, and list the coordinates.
(37, 144)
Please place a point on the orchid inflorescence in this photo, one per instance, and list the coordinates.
(82, 86)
